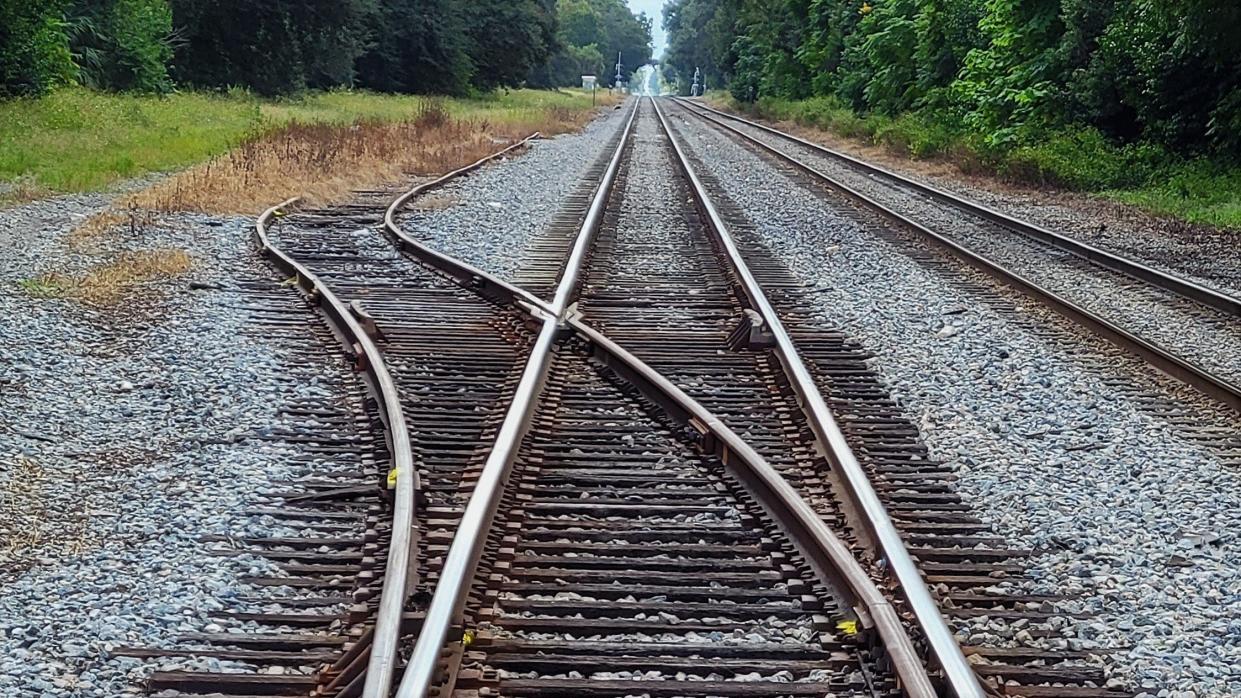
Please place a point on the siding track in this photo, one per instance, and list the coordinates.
(1184, 329)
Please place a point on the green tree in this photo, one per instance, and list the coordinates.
(947, 30)
(1169, 72)
(419, 47)
(701, 35)
(1008, 88)
(591, 34)
(34, 47)
(508, 39)
(270, 46)
(122, 44)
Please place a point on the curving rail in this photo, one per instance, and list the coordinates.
(944, 648)
(462, 558)
(829, 556)
(1209, 383)
(470, 276)
(386, 635)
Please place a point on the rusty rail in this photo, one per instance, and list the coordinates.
(1210, 384)
(381, 668)
(945, 651)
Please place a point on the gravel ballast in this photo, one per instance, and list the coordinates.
(129, 433)
(1201, 334)
(1133, 518)
(1203, 253)
(490, 217)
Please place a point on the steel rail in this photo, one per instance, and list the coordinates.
(381, 668)
(1110, 260)
(461, 560)
(946, 652)
(482, 282)
(1214, 386)
(828, 555)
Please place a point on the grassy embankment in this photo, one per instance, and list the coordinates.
(1196, 190)
(235, 154)
(78, 140)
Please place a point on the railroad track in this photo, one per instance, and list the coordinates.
(1187, 330)
(669, 263)
(711, 497)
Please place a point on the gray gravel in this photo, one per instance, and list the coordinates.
(1205, 254)
(490, 217)
(126, 436)
(1201, 334)
(1048, 449)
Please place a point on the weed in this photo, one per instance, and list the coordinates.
(431, 114)
(77, 139)
(1080, 158)
(45, 286)
(21, 494)
(109, 282)
(325, 162)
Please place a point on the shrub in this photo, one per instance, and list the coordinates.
(915, 135)
(1082, 158)
(34, 48)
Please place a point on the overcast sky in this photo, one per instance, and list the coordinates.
(654, 10)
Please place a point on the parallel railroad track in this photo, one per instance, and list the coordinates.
(661, 285)
(597, 548)
(1187, 330)
(566, 520)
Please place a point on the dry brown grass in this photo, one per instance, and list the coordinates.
(324, 163)
(22, 501)
(111, 281)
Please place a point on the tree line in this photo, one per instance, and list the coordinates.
(276, 47)
(1164, 72)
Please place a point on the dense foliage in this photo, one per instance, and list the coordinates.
(122, 44)
(418, 46)
(279, 47)
(1100, 73)
(271, 47)
(34, 47)
(592, 34)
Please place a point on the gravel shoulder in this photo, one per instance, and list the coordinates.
(1209, 255)
(1133, 518)
(1203, 335)
(128, 433)
(491, 217)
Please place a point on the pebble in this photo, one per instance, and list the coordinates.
(127, 435)
(494, 215)
(1105, 518)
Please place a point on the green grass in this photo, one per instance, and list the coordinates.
(1199, 192)
(79, 140)
(1196, 190)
